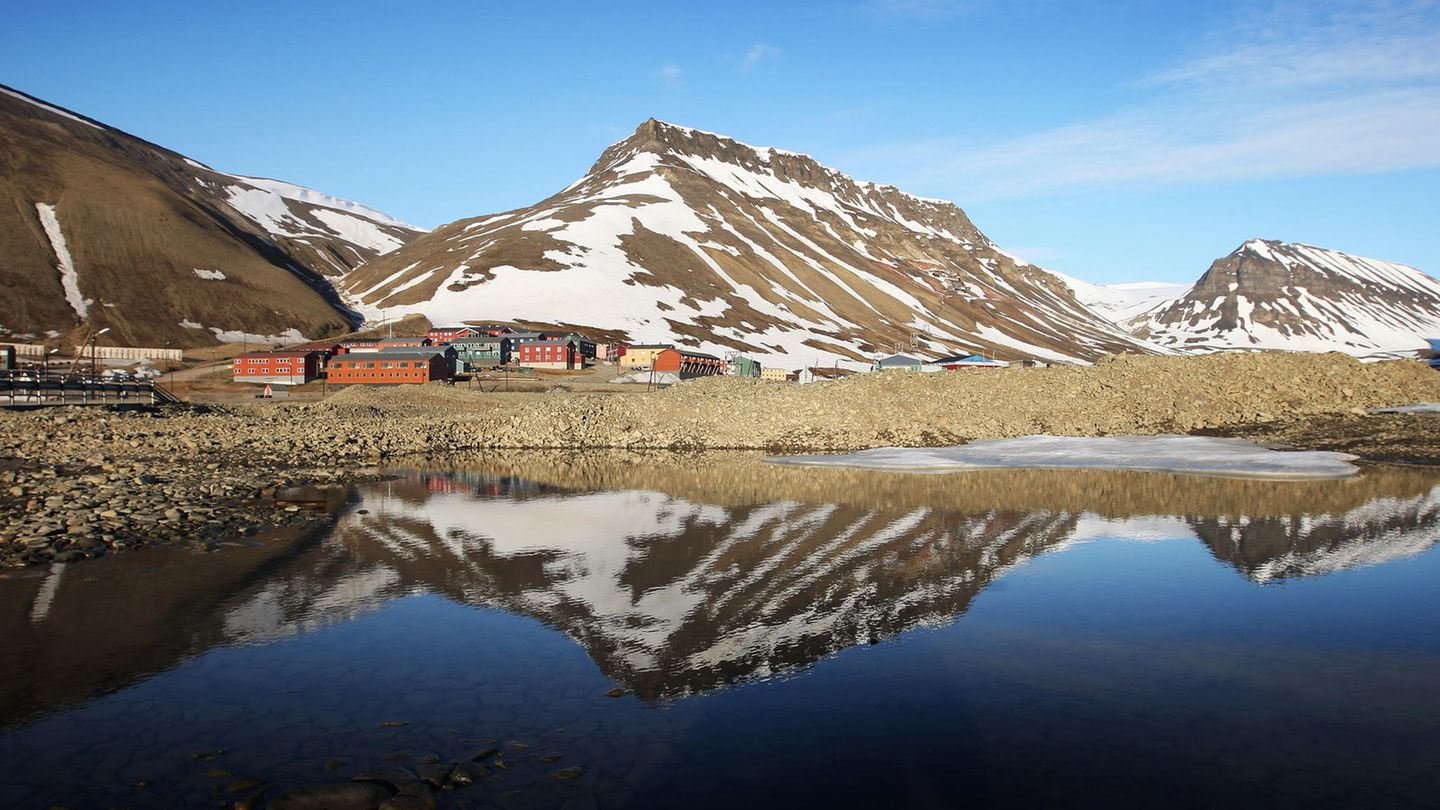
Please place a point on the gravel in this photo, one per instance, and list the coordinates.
(77, 483)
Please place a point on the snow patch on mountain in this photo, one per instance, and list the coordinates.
(69, 279)
(1286, 296)
(290, 191)
(48, 108)
(1123, 302)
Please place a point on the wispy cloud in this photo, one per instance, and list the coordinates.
(1293, 94)
(757, 53)
(669, 75)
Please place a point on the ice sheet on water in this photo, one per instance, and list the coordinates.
(1198, 455)
(1414, 407)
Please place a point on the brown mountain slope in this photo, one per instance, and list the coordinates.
(159, 248)
(677, 234)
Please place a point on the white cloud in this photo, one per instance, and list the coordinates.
(670, 75)
(1296, 93)
(759, 52)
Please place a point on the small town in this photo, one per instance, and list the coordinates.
(638, 406)
(457, 352)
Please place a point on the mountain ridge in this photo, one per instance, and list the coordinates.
(107, 230)
(1273, 295)
(686, 236)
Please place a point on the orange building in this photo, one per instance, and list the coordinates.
(687, 363)
(389, 368)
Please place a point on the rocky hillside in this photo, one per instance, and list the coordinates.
(678, 234)
(101, 229)
(1288, 296)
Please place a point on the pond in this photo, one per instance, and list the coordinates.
(713, 631)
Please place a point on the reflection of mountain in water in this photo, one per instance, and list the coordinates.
(1270, 548)
(672, 596)
(669, 590)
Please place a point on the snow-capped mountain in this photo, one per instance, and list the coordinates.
(1289, 296)
(677, 234)
(103, 229)
(1124, 302)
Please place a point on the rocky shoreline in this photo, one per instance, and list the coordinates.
(78, 483)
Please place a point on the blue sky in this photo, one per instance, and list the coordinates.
(1114, 141)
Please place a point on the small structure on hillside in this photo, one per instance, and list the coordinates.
(688, 364)
(822, 373)
(778, 374)
(7, 358)
(390, 368)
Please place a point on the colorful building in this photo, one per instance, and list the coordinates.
(742, 366)
(642, 355)
(449, 334)
(483, 351)
(779, 374)
(556, 353)
(389, 368)
(279, 367)
(687, 364)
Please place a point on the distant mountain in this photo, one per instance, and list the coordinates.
(1288, 296)
(102, 229)
(681, 235)
(1121, 303)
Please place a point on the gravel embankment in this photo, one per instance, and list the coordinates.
(76, 483)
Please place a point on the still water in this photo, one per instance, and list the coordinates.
(782, 637)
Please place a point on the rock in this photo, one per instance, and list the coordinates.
(436, 774)
(566, 774)
(484, 754)
(616, 692)
(244, 784)
(337, 796)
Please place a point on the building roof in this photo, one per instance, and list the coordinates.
(281, 353)
(692, 353)
(831, 372)
(548, 342)
(969, 359)
(370, 358)
(900, 360)
(650, 345)
(389, 350)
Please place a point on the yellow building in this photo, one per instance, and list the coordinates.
(767, 373)
(642, 355)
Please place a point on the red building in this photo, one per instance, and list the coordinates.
(688, 364)
(554, 353)
(445, 334)
(390, 368)
(279, 368)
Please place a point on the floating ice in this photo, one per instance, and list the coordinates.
(1416, 407)
(1197, 455)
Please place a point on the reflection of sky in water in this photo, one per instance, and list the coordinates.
(1030, 656)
